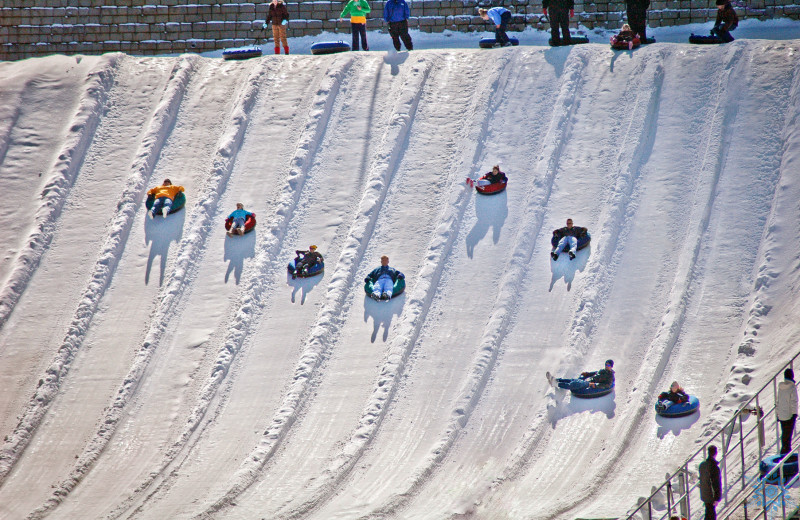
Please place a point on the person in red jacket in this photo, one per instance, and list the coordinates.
(278, 15)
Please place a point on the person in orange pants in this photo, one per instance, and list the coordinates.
(278, 15)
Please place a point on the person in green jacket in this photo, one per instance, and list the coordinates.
(357, 10)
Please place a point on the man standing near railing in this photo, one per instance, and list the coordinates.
(710, 483)
(786, 409)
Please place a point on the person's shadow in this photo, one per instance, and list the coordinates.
(302, 285)
(382, 314)
(394, 60)
(237, 248)
(491, 212)
(675, 424)
(566, 268)
(160, 232)
(560, 407)
(556, 58)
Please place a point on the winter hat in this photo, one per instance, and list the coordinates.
(610, 363)
(722, 2)
(312, 248)
(788, 374)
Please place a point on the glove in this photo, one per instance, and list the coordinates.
(544, 11)
(401, 276)
(285, 22)
(366, 280)
(264, 26)
(571, 13)
(584, 374)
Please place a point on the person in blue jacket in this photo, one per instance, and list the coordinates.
(500, 17)
(383, 279)
(238, 217)
(396, 14)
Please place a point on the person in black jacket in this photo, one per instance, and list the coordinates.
(602, 378)
(676, 394)
(306, 259)
(637, 17)
(492, 177)
(567, 238)
(560, 11)
(726, 21)
(710, 484)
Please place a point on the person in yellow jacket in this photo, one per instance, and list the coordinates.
(163, 197)
(357, 10)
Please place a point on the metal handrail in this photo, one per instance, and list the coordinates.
(733, 499)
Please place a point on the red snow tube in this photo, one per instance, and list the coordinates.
(491, 189)
(623, 45)
(249, 223)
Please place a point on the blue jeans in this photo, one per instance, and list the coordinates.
(384, 284)
(161, 202)
(572, 384)
(238, 222)
(567, 243)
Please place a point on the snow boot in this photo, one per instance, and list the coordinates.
(164, 212)
(554, 255)
(571, 255)
(277, 50)
(385, 296)
(286, 50)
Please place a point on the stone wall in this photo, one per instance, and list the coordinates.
(39, 27)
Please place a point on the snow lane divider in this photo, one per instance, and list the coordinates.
(382, 169)
(61, 177)
(105, 266)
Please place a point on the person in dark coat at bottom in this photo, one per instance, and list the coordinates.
(560, 11)
(710, 483)
(637, 17)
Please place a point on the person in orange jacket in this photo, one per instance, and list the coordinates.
(163, 197)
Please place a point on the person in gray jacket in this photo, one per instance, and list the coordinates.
(710, 483)
(786, 409)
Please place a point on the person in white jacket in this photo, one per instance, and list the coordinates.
(786, 409)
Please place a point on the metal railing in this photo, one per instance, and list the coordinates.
(749, 489)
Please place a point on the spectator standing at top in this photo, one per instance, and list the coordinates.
(637, 17)
(710, 484)
(357, 10)
(500, 16)
(278, 15)
(560, 11)
(726, 21)
(786, 409)
(396, 14)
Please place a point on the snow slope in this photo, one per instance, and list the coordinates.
(158, 369)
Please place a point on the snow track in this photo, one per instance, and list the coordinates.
(169, 371)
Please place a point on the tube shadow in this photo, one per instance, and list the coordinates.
(674, 424)
(302, 285)
(566, 268)
(160, 232)
(491, 212)
(394, 60)
(562, 408)
(382, 314)
(237, 249)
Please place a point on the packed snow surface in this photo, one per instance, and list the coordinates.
(154, 369)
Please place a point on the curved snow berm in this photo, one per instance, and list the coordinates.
(664, 409)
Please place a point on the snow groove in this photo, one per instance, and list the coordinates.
(249, 301)
(483, 364)
(418, 304)
(8, 121)
(382, 169)
(185, 263)
(61, 176)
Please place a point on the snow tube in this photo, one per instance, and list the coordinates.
(622, 45)
(249, 223)
(669, 409)
(397, 290)
(648, 41)
(492, 189)
(177, 203)
(329, 47)
(769, 463)
(574, 40)
(591, 393)
(314, 270)
(582, 242)
(242, 53)
(705, 40)
(489, 43)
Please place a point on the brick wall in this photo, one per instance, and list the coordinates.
(38, 27)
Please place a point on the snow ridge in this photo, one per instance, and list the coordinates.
(382, 167)
(62, 174)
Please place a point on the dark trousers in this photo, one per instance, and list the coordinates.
(359, 29)
(559, 18)
(399, 31)
(787, 429)
(722, 34)
(500, 35)
(637, 19)
(711, 511)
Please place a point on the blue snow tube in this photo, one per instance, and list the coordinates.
(488, 43)
(242, 53)
(397, 289)
(582, 242)
(591, 393)
(313, 270)
(177, 203)
(329, 47)
(667, 408)
(768, 464)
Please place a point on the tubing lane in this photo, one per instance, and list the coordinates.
(185, 264)
(316, 350)
(61, 176)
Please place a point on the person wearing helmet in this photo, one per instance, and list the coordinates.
(603, 378)
(309, 258)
